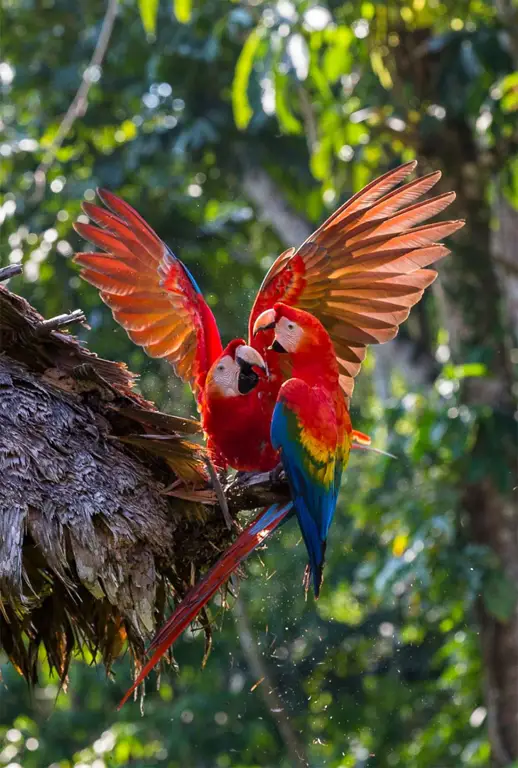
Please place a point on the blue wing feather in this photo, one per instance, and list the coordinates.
(172, 258)
(313, 499)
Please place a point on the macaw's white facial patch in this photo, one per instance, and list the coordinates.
(224, 377)
(236, 376)
(288, 334)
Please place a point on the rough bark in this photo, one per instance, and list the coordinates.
(90, 546)
(475, 302)
(505, 253)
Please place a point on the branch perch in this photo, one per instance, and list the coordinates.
(61, 321)
(7, 272)
(84, 519)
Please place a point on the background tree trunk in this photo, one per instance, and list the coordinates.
(473, 301)
(477, 293)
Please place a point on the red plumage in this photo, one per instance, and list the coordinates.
(359, 273)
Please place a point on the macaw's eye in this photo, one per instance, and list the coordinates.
(291, 326)
(220, 368)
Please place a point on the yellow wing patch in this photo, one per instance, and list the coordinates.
(322, 458)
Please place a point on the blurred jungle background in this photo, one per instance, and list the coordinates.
(235, 128)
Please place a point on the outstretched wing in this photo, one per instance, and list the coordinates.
(363, 270)
(305, 430)
(150, 292)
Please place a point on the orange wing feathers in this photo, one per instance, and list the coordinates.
(363, 269)
(150, 292)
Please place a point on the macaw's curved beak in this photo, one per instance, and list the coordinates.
(265, 321)
(277, 347)
(249, 360)
(248, 357)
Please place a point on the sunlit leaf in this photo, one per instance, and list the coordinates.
(465, 371)
(183, 10)
(148, 13)
(341, 605)
(289, 123)
(399, 545)
(337, 58)
(241, 106)
(510, 101)
(320, 162)
(378, 66)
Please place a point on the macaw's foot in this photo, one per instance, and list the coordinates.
(222, 475)
(277, 475)
(220, 494)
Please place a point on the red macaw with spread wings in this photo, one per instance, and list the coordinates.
(359, 273)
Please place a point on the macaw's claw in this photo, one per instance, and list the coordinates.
(277, 475)
(216, 484)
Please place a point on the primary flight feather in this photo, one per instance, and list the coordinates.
(359, 273)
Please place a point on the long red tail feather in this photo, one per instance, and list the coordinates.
(263, 525)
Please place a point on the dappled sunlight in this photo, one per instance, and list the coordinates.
(235, 128)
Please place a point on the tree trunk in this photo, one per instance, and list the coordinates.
(477, 306)
(505, 252)
(474, 302)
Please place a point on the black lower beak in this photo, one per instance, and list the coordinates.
(278, 348)
(247, 379)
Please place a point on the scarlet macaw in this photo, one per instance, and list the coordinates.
(359, 273)
(311, 426)
(312, 429)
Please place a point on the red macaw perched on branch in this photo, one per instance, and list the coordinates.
(359, 274)
(311, 426)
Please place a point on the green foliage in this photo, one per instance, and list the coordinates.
(183, 10)
(385, 670)
(242, 109)
(148, 12)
